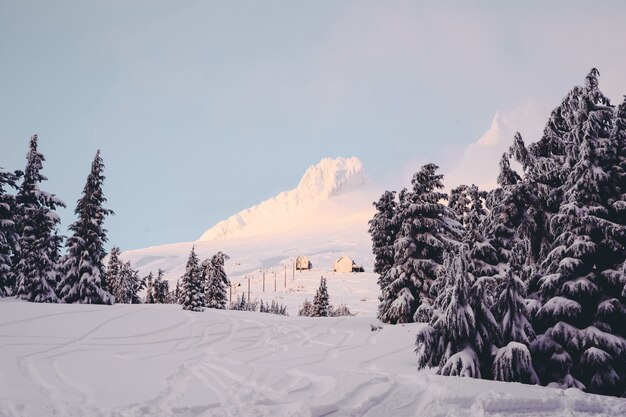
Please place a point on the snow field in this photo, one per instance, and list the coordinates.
(158, 360)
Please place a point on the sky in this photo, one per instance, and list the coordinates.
(204, 108)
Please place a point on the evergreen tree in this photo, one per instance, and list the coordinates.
(510, 307)
(161, 288)
(581, 336)
(179, 294)
(513, 362)
(460, 202)
(82, 267)
(306, 309)
(321, 307)
(114, 266)
(38, 244)
(150, 289)
(217, 282)
(193, 291)
(483, 257)
(8, 231)
(427, 229)
(128, 284)
(459, 339)
(383, 230)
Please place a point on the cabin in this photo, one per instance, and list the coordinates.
(303, 263)
(345, 264)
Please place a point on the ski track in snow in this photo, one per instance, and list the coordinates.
(148, 360)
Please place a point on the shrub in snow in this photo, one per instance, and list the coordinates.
(306, 309)
(514, 364)
(464, 363)
(193, 288)
(339, 311)
(426, 229)
(38, 244)
(242, 304)
(273, 308)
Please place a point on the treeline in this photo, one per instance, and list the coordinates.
(526, 282)
(32, 266)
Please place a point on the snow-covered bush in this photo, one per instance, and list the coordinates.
(273, 308)
(513, 363)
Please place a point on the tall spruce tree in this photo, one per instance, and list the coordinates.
(82, 266)
(426, 229)
(192, 285)
(581, 336)
(217, 281)
(38, 245)
(8, 231)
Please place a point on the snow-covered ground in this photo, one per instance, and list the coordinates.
(158, 360)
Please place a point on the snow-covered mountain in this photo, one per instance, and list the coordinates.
(309, 204)
(325, 217)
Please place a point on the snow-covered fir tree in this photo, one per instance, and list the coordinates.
(483, 257)
(128, 284)
(383, 230)
(114, 264)
(150, 299)
(508, 207)
(112, 269)
(8, 231)
(217, 281)
(580, 327)
(192, 285)
(460, 202)
(427, 229)
(321, 306)
(513, 362)
(179, 293)
(161, 288)
(460, 339)
(82, 267)
(38, 244)
(306, 309)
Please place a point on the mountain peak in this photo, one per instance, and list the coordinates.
(323, 181)
(331, 177)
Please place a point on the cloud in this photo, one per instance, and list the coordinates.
(478, 164)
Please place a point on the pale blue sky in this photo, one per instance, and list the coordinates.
(204, 108)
